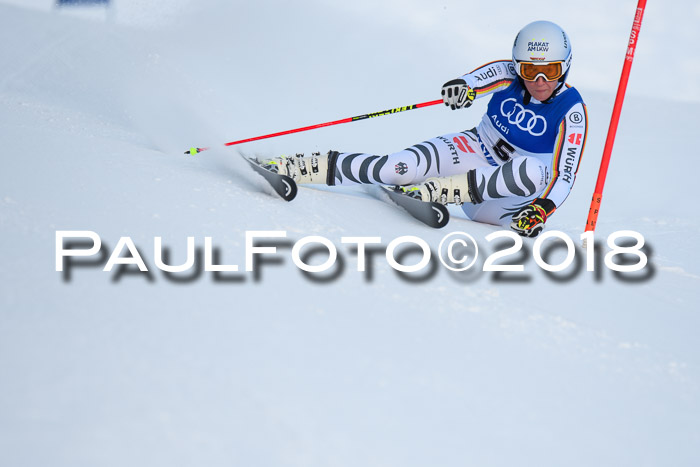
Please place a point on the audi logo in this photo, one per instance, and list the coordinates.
(517, 115)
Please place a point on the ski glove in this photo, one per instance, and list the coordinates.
(457, 94)
(529, 221)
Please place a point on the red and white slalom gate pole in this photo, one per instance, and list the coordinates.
(612, 130)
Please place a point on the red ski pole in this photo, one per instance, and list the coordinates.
(194, 151)
(612, 130)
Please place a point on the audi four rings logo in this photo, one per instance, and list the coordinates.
(523, 118)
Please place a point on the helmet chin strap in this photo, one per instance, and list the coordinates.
(554, 93)
(527, 96)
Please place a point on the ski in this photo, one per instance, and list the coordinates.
(431, 214)
(283, 185)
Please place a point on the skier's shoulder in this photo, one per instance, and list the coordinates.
(569, 94)
(569, 105)
(491, 77)
(497, 67)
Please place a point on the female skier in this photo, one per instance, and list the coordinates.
(516, 167)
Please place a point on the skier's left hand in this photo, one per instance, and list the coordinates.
(529, 221)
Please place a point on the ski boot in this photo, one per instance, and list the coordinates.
(301, 169)
(455, 189)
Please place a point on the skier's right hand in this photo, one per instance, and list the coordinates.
(529, 221)
(457, 94)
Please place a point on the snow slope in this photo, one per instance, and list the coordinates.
(360, 368)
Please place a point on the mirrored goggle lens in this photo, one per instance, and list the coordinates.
(530, 71)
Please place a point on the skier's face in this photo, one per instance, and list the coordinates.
(541, 89)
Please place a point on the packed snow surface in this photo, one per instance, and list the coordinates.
(277, 367)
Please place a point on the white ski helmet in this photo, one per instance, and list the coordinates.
(542, 43)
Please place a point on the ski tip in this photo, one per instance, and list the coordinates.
(283, 185)
(434, 215)
(442, 215)
(291, 190)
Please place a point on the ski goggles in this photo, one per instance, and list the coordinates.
(529, 71)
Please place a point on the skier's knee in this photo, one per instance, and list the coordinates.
(399, 170)
(530, 172)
